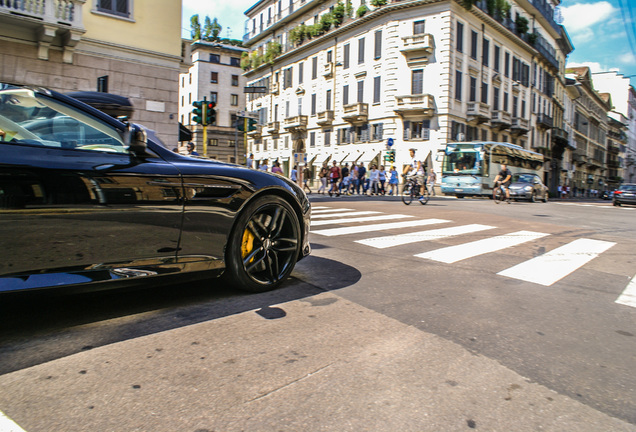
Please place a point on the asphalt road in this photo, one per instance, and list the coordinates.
(365, 336)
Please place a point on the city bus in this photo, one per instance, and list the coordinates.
(470, 168)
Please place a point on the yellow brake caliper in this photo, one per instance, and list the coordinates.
(247, 244)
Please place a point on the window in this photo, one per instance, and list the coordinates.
(287, 78)
(507, 65)
(312, 139)
(459, 43)
(326, 137)
(417, 130)
(301, 70)
(515, 104)
(497, 58)
(360, 50)
(235, 80)
(473, 90)
(215, 58)
(345, 61)
(376, 89)
(234, 100)
(505, 102)
(213, 142)
(417, 82)
(485, 52)
(360, 91)
(314, 67)
(378, 132)
(378, 45)
(328, 100)
(495, 99)
(345, 95)
(418, 27)
(300, 106)
(484, 92)
(458, 85)
(214, 96)
(287, 109)
(214, 77)
(473, 44)
(235, 61)
(102, 84)
(313, 104)
(114, 7)
(329, 56)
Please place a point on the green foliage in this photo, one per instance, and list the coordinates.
(491, 6)
(298, 34)
(502, 8)
(195, 27)
(363, 9)
(326, 21)
(349, 9)
(338, 13)
(521, 23)
(273, 50)
(468, 4)
(245, 61)
(532, 38)
(378, 3)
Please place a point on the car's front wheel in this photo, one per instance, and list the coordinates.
(264, 245)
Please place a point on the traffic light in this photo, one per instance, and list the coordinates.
(391, 155)
(199, 112)
(240, 124)
(251, 124)
(210, 113)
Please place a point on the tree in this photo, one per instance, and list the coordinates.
(195, 27)
(338, 13)
(211, 29)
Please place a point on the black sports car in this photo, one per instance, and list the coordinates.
(88, 202)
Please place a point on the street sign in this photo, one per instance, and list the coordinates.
(254, 89)
(389, 142)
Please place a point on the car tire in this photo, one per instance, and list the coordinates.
(617, 204)
(545, 196)
(264, 245)
(533, 197)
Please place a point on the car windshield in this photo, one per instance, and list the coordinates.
(523, 178)
(30, 118)
(630, 188)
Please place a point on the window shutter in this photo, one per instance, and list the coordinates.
(407, 127)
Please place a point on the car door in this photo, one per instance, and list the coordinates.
(76, 206)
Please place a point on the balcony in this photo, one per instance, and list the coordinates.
(256, 133)
(519, 126)
(272, 127)
(421, 105)
(296, 124)
(418, 48)
(478, 112)
(46, 22)
(325, 118)
(274, 88)
(356, 113)
(500, 120)
(544, 121)
(327, 70)
(560, 135)
(579, 157)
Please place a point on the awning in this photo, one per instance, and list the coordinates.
(185, 134)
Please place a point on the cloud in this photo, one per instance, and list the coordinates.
(579, 17)
(627, 59)
(594, 66)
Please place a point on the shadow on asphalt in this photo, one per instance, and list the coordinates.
(36, 330)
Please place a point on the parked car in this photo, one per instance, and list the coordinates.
(625, 194)
(528, 186)
(88, 203)
(607, 195)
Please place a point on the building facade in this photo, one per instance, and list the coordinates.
(215, 75)
(349, 82)
(131, 48)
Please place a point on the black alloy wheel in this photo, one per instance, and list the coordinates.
(264, 245)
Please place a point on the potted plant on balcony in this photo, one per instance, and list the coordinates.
(245, 61)
(521, 24)
(298, 34)
(349, 9)
(378, 3)
(273, 50)
(363, 9)
(338, 13)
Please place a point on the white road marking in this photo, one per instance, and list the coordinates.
(628, 297)
(377, 227)
(313, 207)
(401, 239)
(344, 214)
(321, 210)
(460, 252)
(360, 219)
(558, 263)
(8, 425)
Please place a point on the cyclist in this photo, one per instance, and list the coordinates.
(417, 169)
(504, 178)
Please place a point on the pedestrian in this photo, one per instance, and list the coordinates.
(322, 175)
(393, 181)
(277, 169)
(344, 173)
(362, 178)
(293, 176)
(432, 178)
(263, 166)
(306, 177)
(382, 178)
(354, 178)
(191, 149)
(250, 161)
(334, 178)
(374, 180)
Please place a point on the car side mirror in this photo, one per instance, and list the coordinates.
(135, 140)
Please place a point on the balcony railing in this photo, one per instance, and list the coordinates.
(500, 119)
(272, 127)
(274, 88)
(419, 43)
(356, 113)
(325, 118)
(43, 20)
(519, 126)
(417, 105)
(297, 123)
(327, 70)
(544, 121)
(559, 134)
(478, 112)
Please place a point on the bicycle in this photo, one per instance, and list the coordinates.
(411, 191)
(499, 193)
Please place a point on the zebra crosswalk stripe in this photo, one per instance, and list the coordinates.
(344, 214)
(628, 296)
(322, 210)
(377, 227)
(463, 251)
(401, 239)
(558, 263)
(359, 219)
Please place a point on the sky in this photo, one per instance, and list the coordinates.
(603, 32)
